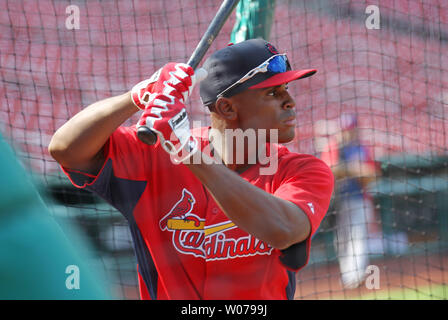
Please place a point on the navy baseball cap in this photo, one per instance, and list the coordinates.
(246, 65)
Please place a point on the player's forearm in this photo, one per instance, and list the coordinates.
(79, 140)
(276, 221)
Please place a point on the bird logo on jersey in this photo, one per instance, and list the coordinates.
(191, 236)
(180, 211)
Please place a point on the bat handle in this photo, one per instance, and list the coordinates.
(146, 135)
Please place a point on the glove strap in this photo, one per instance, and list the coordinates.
(141, 94)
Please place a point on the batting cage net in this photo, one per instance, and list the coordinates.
(382, 79)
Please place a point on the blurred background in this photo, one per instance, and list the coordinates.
(376, 112)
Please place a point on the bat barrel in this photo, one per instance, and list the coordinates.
(212, 31)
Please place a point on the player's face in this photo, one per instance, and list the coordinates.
(268, 108)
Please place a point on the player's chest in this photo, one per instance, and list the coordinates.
(196, 225)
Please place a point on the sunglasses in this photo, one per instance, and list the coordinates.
(275, 64)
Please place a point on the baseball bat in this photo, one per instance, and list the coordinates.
(228, 225)
(145, 134)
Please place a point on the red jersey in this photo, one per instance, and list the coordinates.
(186, 247)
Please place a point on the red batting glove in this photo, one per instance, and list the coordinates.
(163, 98)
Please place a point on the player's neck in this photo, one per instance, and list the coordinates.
(235, 152)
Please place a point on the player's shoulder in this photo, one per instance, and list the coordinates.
(125, 133)
(286, 156)
(124, 145)
(295, 162)
(126, 138)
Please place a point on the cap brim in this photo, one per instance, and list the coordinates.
(284, 77)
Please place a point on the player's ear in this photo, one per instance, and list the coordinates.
(226, 109)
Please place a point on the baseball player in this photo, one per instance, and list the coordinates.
(353, 169)
(205, 229)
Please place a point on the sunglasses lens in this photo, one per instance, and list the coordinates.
(277, 64)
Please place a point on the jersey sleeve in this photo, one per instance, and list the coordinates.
(122, 176)
(308, 183)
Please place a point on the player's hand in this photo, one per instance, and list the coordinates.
(163, 98)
